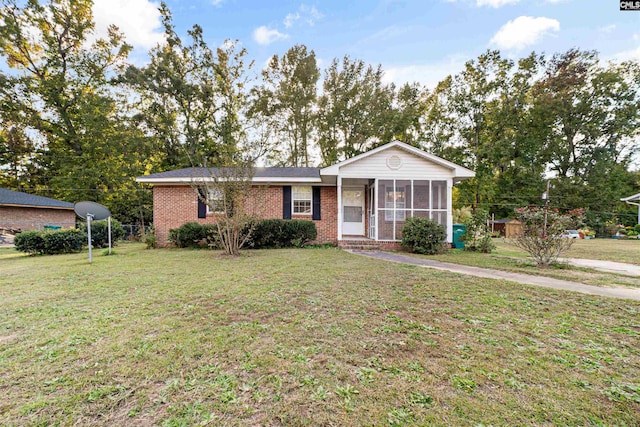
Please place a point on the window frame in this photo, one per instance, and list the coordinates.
(295, 191)
(215, 196)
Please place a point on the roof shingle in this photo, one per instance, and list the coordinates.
(9, 197)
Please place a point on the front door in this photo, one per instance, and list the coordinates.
(353, 211)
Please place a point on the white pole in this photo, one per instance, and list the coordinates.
(89, 237)
(109, 229)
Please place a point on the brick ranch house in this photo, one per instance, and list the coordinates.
(22, 211)
(363, 199)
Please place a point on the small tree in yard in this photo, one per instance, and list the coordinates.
(226, 191)
(542, 231)
(478, 236)
(423, 236)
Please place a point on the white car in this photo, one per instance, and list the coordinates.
(571, 234)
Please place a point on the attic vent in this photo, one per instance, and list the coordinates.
(394, 162)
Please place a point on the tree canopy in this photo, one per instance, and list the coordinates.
(79, 121)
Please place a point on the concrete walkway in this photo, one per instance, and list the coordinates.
(528, 279)
(606, 266)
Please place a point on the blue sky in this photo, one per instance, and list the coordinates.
(413, 40)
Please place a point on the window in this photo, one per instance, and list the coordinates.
(215, 200)
(301, 197)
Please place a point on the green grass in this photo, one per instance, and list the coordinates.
(508, 257)
(603, 249)
(301, 338)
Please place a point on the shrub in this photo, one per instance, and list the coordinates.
(50, 242)
(30, 242)
(100, 232)
(193, 235)
(423, 236)
(637, 228)
(282, 233)
(148, 237)
(542, 233)
(478, 236)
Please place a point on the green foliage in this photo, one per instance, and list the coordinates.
(100, 232)
(50, 242)
(423, 236)
(30, 242)
(542, 233)
(282, 233)
(478, 234)
(286, 101)
(148, 237)
(193, 235)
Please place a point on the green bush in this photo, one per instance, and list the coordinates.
(100, 232)
(478, 235)
(50, 242)
(637, 228)
(423, 236)
(193, 235)
(30, 242)
(282, 233)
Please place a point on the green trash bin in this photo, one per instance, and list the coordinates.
(458, 232)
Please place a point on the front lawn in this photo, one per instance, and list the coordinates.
(618, 250)
(303, 337)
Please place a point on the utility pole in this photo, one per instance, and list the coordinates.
(545, 197)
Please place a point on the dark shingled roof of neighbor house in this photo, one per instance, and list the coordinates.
(17, 198)
(259, 173)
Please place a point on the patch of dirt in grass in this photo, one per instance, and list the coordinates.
(8, 339)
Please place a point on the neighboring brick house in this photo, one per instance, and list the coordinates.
(340, 199)
(22, 211)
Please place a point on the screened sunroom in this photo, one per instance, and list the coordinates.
(379, 190)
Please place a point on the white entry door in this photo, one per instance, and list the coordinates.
(353, 211)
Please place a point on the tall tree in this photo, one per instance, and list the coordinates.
(355, 110)
(286, 100)
(61, 92)
(591, 126)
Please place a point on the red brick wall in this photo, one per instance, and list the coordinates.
(175, 205)
(35, 218)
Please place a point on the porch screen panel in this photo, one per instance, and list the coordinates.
(421, 194)
(385, 209)
(440, 218)
(439, 199)
(400, 224)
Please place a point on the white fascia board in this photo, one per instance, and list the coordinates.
(258, 180)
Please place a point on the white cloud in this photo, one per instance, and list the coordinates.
(524, 31)
(495, 3)
(306, 14)
(139, 20)
(217, 3)
(427, 74)
(264, 35)
(625, 55)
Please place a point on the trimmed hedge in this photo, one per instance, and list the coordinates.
(193, 235)
(266, 234)
(50, 242)
(423, 236)
(100, 232)
(282, 233)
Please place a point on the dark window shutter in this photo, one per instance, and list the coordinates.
(286, 202)
(316, 204)
(202, 209)
(202, 206)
